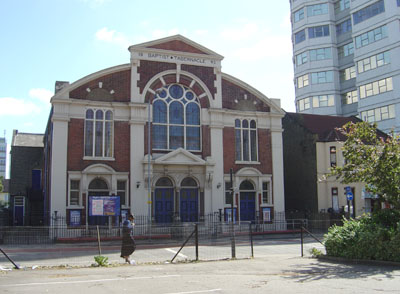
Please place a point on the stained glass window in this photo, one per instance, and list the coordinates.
(176, 119)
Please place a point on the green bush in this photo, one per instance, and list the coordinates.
(101, 260)
(375, 237)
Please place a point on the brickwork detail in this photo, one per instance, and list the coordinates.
(119, 82)
(177, 45)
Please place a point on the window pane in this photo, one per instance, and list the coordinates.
(160, 137)
(176, 91)
(108, 139)
(253, 139)
(192, 114)
(176, 137)
(238, 144)
(176, 113)
(99, 139)
(246, 145)
(74, 198)
(89, 114)
(99, 114)
(159, 112)
(193, 138)
(89, 138)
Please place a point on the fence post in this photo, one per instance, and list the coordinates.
(98, 240)
(251, 240)
(197, 241)
(301, 238)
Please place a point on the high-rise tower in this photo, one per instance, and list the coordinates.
(346, 56)
(3, 157)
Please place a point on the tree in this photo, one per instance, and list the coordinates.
(371, 157)
(1, 184)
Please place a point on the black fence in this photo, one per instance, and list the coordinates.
(211, 226)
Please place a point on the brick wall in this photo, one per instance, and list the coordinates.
(264, 152)
(75, 160)
(120, 82)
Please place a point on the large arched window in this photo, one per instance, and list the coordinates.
(246, 140)
(176, 119)
(99, 133)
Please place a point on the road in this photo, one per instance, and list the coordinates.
(276, 268)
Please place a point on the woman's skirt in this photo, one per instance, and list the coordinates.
(128, 246)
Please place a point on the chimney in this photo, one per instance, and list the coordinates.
(60, 85)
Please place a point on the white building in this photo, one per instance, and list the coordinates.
(3, 157)
(346, 59)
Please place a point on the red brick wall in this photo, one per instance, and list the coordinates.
(230, 92)
(75, 151)
(148, 69)
(120, 82)
(205, 74)
(177, 45)
(264, 152)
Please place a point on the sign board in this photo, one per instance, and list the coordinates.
(349, 193)
(75, 217)
(104, 206)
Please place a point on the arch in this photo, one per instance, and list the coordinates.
(189, 182)
(164, 182)
(148, 88)
(246, 185)
(98, 184)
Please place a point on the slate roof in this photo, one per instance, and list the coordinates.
(27, 140)
(324, 126)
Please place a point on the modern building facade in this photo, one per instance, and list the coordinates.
(162, 133)
(3, 157)
(346, 59)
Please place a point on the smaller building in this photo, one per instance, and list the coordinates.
(26, 195)
(312, 145)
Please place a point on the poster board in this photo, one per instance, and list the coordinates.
(104, 206)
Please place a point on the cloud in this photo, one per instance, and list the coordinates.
(112, 36)
(10, 106)
(43, 95)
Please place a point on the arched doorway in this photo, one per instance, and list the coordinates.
(164, 201)
(189, 201)
(98, 187)
(247, 201)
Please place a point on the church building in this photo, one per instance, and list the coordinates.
(162, 134)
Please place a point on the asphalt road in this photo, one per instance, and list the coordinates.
(276, 268)
(282, 273)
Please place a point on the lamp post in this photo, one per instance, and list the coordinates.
(148, 164)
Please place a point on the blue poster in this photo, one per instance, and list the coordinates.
(104, 206)
(75, 218)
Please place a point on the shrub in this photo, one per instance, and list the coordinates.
(375, 237)
(101, 260)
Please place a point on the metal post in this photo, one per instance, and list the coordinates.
(196, 228)
(233, 241)
(301, 238)
(148, 164)
(251, 240)
(98, 240)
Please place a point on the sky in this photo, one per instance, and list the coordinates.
(44, 41)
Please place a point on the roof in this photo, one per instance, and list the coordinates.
(27, 140)
(324, 126)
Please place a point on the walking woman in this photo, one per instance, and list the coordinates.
(128, 243)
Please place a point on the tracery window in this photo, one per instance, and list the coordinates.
(176, 119)
(246, 140)
(99, 133)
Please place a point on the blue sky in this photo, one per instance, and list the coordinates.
(44, 41)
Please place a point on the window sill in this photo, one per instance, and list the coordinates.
(247, 162)
(99, 158)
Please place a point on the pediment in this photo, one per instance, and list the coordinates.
(180, 157)
(176, 44)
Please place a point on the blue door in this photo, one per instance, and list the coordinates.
(247, 206)
(189, 205)
(164, 205)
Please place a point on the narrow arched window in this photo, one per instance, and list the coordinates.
(99, 129)
(176, 119)
(246, 141)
